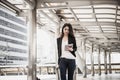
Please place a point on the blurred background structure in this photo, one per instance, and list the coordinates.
(29, 29)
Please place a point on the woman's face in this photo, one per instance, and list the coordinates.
(66, 30)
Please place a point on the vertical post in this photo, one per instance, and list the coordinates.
(92, 61)
(105, 61)
(57, 32)
(99, 61)
(84, 57)
(32, 45)
(24, 71)
(0, 72)
(18, 71)
(40, 70)
(54, 70)
(47, 69)
(110, 71)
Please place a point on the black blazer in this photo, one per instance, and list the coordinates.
(71, 40)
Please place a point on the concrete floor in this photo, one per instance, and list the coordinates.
(53, 77)
(102, 77)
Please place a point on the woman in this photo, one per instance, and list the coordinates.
(66, 45)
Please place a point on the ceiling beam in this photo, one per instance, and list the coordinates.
(105, 43)
(71, 10)
(92, 23)
(58, 19)
(91, 18)
(51, 7)
(5, 2)
(98, 34)
(64, 7)
(77, 7)
(31, 3)
(48, 17)
(75, 17)
(90, 14)
(75, 3)
(94, 15)
(61, 1)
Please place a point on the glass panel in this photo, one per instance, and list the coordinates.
(104, 6)
(118, 21)
(109, 31)
(108, 26)
(56, 4)
(95, 31)
(44, 22)
(106, 20)
(50, 15)
(82, 10)
(118, 12)
(92, 26)
(16, 1)
(65, 11)
(118, 7)
(68, 15)
(23, 7)
(105, 11)
(115, 36)
(46, 11)
(104, 16)
(70, 19)
(118, 17)
(84, 16)
(85, 7)
(82, 7)
(89, 20)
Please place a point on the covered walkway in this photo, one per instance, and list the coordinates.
(96, 25)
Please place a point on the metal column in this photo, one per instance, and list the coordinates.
(105, 61)
(99, 61)
(84, 57)
(40, 70)
(110, 71)
(57, 33)
(32, 45)
(92, 61)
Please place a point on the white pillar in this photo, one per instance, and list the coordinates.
(99, 61)
(32, 45)
(57, 34)
(40, 70)
(92, 60)
(84, 57)
(105, 61)
(110, 71)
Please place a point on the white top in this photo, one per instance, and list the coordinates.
(66, 54)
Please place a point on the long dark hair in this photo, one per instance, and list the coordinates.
(71, 34)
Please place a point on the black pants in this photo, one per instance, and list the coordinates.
(67, 64)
